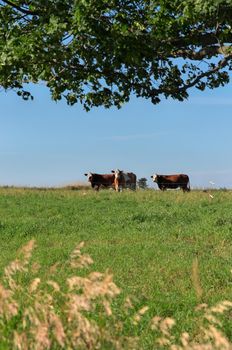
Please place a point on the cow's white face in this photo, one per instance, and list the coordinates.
(89, 176)
(154, 178)
(117, 173)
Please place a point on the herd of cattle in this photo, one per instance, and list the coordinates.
(118, 179)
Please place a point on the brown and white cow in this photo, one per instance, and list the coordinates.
(124, 180)
(100, 180)
(172, 181)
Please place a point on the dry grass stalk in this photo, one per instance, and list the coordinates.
(65, 317)
(19, 264)
(163, 326)
(54, 285)
(210, 337)
(79, 260)
(62, 319)
(8, 306)
(41, 336)
(20, 341)
(58, 329)
(34, 285)
(128, 303)
(196, 279)
(138, 316)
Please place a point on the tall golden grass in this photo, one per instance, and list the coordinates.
(42, 314)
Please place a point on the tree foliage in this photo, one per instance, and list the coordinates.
(100, 52)
(142, 183)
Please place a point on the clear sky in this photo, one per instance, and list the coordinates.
(43, 143)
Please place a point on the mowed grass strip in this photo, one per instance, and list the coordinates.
(148, 239)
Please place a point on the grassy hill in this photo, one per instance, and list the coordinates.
(170, 251)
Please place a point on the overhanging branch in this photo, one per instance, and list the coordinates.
(206, 52)
(21, 9)
(221, 64)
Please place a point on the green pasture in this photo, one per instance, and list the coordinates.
(147, 239)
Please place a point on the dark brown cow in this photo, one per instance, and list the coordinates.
(124, 180)
(98, 180)
(172, 181)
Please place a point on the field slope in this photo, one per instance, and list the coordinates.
(148, 239)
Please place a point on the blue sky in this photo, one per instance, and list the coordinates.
(43, 143)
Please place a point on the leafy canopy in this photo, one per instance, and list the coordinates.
(99, 52)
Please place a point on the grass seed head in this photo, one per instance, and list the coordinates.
(34, 285)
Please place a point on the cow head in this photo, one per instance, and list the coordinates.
(154, 177)
(118, 173)
(89, 176)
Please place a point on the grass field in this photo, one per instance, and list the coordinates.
(147, 239)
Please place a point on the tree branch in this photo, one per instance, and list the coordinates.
(221, 64)
(206, 52)
(203, 40)
(26, 12)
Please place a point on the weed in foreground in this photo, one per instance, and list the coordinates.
(79, 314)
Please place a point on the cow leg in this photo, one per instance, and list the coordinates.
(95, 187)
(186, 189)
(133, 187)
(118, 188)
